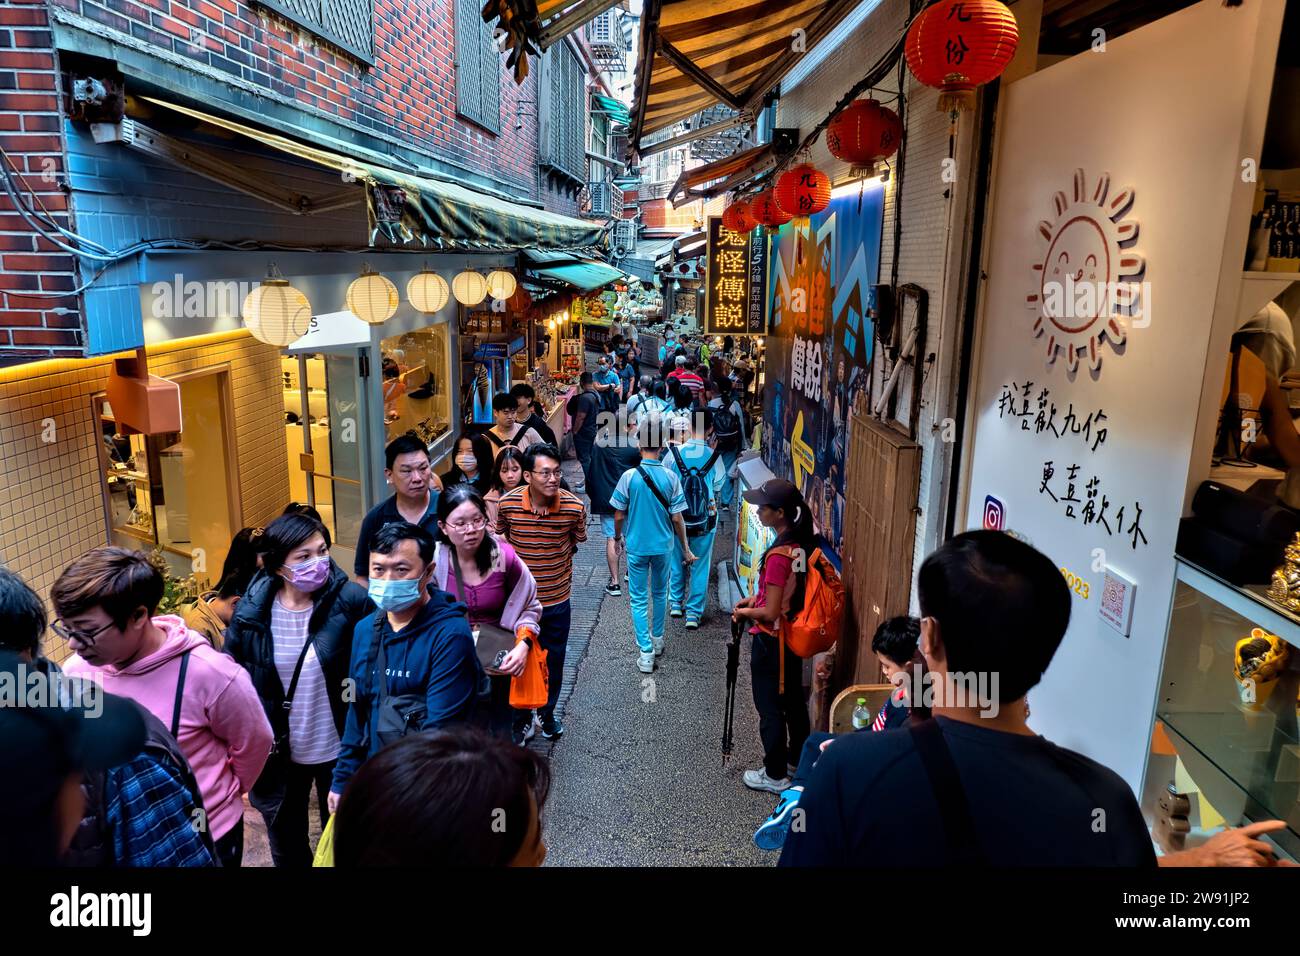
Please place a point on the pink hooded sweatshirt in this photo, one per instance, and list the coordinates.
(223, 731)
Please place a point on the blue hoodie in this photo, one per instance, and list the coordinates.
(434, 655)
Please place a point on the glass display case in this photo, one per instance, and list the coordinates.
(1227, 749)
(417, 383)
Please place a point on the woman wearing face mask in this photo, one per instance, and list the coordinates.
(477, 567)
(292, 632)
(471, 464)
(507, 474)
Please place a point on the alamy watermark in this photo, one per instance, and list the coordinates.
(32, 687)
(179, 299)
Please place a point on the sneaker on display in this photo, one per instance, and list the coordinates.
(646, 662)
(772, 833)
(759, 780)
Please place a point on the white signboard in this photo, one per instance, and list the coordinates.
(332, 329)
(1115, 175)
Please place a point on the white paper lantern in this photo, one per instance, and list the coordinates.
(469, 287)
(372, 298)
(427, 291)
(501, 284)
(276, 313)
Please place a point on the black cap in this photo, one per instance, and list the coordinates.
(53, 725)
(776, 493)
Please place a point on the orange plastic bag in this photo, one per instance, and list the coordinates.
(530, 688)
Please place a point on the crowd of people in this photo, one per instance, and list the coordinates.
(401, 697)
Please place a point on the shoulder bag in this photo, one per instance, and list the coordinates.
(393, 717)
(491, 641)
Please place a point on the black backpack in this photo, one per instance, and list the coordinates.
(701, 515)
(727, 427)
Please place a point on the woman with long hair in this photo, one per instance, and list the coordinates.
(292, 632)
(507, 475)
(471, 462)
(776, 678)
(475, 566)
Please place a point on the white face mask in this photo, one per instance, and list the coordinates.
(466, 463)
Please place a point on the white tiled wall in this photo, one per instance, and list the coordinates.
(51, 490)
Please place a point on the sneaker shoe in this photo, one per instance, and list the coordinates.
(613, 589)
(771, 835)
(646, 662)
(552, 728)
(759, 780)
(658, 643)
(692, 624)
(522, 734)
(674, 612)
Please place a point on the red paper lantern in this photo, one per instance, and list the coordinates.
(803, 191)
(737, 217)
(520, 301)
(958, 45)
(766, 212)
(863, 132)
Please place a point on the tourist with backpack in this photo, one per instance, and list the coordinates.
(698, 466)
(730, 427)
(648, 504)
(781, 599)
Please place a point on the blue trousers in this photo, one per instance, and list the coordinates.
(647, 589)
(728, 459)
(696, 579)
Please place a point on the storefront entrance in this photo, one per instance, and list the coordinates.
(325, 411)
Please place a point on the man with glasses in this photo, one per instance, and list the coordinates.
(545, 524)
(106, 600)
(415, 498)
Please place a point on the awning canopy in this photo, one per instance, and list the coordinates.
(695, 53)
(617, 111)
(447, 215)
(586, 275)
(705, 182)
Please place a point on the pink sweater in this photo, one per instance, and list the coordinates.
(223, 731)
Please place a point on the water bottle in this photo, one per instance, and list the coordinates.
(861, 716)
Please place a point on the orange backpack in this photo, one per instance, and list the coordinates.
(818, 624)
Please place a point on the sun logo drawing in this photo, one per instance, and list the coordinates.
(1089, 278)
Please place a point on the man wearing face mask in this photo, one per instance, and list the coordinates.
(106, 601)
(292, 632)
(413, 661)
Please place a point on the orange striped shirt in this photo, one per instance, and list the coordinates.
(546, 542)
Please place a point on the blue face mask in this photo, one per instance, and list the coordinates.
(394, 595)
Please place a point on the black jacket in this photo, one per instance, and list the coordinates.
(607, 466)
(340, 603)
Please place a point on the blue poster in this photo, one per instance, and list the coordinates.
(819, 349)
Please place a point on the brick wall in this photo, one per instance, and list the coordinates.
(30, 133)
(52, 499)
(409, 93)
(930, 213)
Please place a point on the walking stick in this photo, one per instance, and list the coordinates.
(733, 669)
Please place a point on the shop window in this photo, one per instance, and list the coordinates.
(417, 383)
(478, 68)
(173, 493)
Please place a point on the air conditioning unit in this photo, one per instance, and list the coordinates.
(605, 39)
(624, 237)
(601, 199)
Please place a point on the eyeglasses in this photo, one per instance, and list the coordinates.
(478, 524)
(81, 637)
(548, 473)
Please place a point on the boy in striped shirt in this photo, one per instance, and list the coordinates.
(545, 524)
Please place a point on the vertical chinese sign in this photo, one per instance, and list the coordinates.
(819, 349)
(736, 281)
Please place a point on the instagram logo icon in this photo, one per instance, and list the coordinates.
(995, 514)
